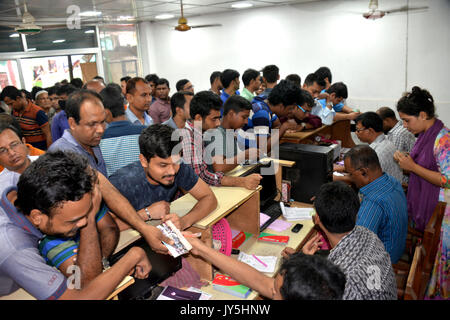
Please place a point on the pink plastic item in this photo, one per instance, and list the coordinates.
(221, 231)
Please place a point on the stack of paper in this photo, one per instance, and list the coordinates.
(291, 214)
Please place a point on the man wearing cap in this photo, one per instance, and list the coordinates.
(42, 99)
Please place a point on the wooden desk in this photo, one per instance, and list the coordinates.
(253, 246)
(239, 205)
(339, 130)
(21, 294)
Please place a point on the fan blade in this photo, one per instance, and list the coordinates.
(207, 25)
(54, 27)
(8, 31)
(405, 9)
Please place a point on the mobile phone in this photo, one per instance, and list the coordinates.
(297, 228)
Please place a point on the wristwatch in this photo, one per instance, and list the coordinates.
(105, 263)
(148, 214)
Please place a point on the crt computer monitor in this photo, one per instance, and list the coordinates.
(313, 167)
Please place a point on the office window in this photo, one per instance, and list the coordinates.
(64, 38)
(119, 49)
(10, 40)
(9, 74)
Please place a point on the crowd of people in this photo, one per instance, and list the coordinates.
(83, 161)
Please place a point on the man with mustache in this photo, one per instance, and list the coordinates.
(87, 123)
(151, 183)
(58, 195)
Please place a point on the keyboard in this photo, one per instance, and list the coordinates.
(273, 211)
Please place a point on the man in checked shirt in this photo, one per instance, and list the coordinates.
(205, 109)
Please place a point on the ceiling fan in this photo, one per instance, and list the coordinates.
(28, 25)
(375, 13)
(183, 24)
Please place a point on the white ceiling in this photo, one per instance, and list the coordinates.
(53, 12)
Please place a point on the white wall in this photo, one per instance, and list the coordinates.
(369, 56)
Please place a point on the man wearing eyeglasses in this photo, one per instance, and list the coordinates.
(14, 155)
(383, 207)
(369, 129)
(184, 85)
(302, 114)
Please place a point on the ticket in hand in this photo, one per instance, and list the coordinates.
(181, 245)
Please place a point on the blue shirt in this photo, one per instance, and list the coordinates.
(224, 96)
(21, 265)
(170, 123)
(384, 211)
(59, 124)
(134, 120)
(120, 144)
(259, 123)
(337, 107)
(68, 143)
(132, 183)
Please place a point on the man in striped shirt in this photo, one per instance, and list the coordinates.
(205, 113)
(383, 207)
(394, 130)
(32, 119)
(119, 144)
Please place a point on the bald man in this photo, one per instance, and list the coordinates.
(94, 85)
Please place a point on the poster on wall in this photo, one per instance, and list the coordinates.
(44, 72)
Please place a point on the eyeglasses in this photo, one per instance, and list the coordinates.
(12, 146)
(358, 130)
(305, 111)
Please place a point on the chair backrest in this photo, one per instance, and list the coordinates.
(431, 235)
(415, 283)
